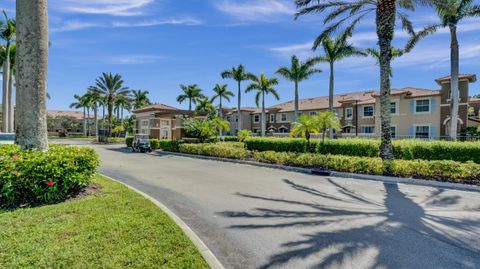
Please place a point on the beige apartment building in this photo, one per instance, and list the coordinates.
(415, 112)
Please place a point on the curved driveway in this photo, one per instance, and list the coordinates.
(253, 217)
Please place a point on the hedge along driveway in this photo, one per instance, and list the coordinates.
(403, 149)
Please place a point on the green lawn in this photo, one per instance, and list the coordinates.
(116, 228)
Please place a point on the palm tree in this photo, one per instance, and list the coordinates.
(263, 85)
(221, 92)
(95, 96)
(32, 63)
(140, 99)
(204, 105)
(298, 71)
(304, 126)
(9, 94)
(122, 103)
(335, 50)
(340, 13)
(450, 12)
(190, 92)
(7, 33)
(111, 88)
(81, 103)
(238, 74)
(327, 121)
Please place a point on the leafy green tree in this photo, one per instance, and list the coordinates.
(220, 125)
(221, 92)
(191, 93)
(304, 126)
(263, 86)
(111, 88)
(140, 99)
(238, 74)
(351, 13)
(67, 123)
(451, 13)
(297, 72)
(244, 134)
(7, 33)
(327, 121)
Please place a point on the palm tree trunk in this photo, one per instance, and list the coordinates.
(385, 23)
(88, 121)
(296, 101)
(95, 115)
(11, 106)
(263, 114)
(239, 109)
(330, 95)
(32, 65)
(454, 62)
(190, 104)
(84, 122)
(103, 119)
(5, 103)
(110, 118)
(220, 113)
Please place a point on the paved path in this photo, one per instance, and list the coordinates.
(253, 217)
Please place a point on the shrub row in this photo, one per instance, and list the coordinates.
(34, 177)
(439, 170)
(223, 150)
(403, 149)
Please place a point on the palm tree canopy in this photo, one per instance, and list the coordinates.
(124, 101)
(299, 71)
(327, 120)
(337, 49)
(376, 54)
(304, 125)
(140, 99)
(237, 73)
(7, 28)
(111, 87)
(221, 91)
(204, 105)
(263, 85)
(190, 92)
(3, 54)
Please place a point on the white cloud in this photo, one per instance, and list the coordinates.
(107, 7)
(134, 59)
(255, 10)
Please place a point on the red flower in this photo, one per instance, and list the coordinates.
(50, 183)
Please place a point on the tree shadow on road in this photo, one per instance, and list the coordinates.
(345, 229)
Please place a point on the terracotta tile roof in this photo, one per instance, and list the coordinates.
(412, 92)
(471, 78)
(66, 113)
(155, 107)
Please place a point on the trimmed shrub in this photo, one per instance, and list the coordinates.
(34, 177)
(351, 147)
(279, 144)
(230, 139)
(169, 145)
(223, 150)
(437, 150)
(129, 141)
(154, 143)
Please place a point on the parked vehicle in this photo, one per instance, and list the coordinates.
(7, 138)
(141, 143)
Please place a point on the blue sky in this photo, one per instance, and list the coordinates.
(158, 44)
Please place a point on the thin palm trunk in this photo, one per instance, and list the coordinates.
(220, 113)
(110, 118)
(239, 109)
(385, 22)
(5, 103)
(296, 101)
(103, 119)
(263, 114)
(10, 104)
(32, 66)
(454, 62)
(330, 94)
(95, 115)
(88, 121)
(84, 122)
(190, 104)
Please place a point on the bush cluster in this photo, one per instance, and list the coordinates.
(129, 141)
(402, 149)
(34, 177)
(223, 150)
(444, 170)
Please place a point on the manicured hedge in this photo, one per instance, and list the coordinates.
(223, 150)
(439, 170)
(403, 149)
(129, 141)
(34, 177)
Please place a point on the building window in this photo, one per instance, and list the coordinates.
(283, 117)
(393, 108)
(272, 117)
(347, 130)
(313, 113)
(283, 130)
(256, 118)
(393, 131)
(236, 118)
(368, 111)
(368, 129)
(422, 106)
(229, 118)
(255, 131)
(145, 123)
(422, 131)
(349, 112)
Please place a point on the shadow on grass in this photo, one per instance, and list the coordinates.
(351, 229)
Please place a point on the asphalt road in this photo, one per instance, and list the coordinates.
(253, 217)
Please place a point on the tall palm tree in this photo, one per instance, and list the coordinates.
(190, 93)
(140, 99)
(111, 88)
(238, 74)
(81, 103)
(450, 12)
(297, 72)
(7, 33)
(32, 63)
(204, 105)
(96, 98)
(9, 93)
(263, 85)
(340, 13)
(122, 103)
(221, 92)
(88, 102)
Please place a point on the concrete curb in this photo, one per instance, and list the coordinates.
(387, 179)
(206, 253)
